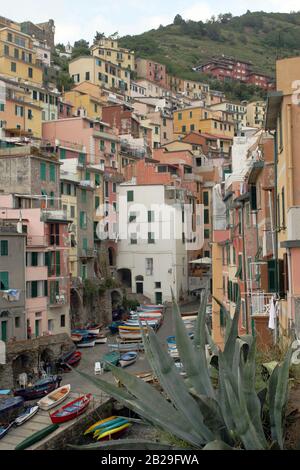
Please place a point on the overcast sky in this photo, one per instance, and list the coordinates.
(77, 19)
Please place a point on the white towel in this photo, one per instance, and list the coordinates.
(272, 317)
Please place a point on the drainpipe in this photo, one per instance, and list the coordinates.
(290, 154)
(244, 269)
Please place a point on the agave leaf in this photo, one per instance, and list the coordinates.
(229, 348)
(247, 382)
(173, 384)
(194, 360)
(125, 444)
(166, 418)
(278, 394)
(217, 445)
(214, 348)
(237, 407)
(227, 316)
(198, 336)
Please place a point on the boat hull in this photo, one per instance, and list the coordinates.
(27, 415)
(50, 400)
(10, 407)
(63, 415)
(90, 344)
(36, 437)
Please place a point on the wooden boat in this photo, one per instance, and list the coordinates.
(10, 407)
(99, 423)
(134, 335)
(36, 437)
(71, 410)
(86, 342)
(127, 346)
(27, 415)
(111, 358)
(101, 339)
(40, 389)
(76, 338)
(95, 328)
(128, 359)
(4, 429)
(188, 314)
(54, 398)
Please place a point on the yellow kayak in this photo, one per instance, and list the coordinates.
(103, 421)
(111, 432)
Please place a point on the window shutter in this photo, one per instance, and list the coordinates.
(272, 275)
(253, 198)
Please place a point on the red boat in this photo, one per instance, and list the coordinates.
(71, 361)
(72, 410)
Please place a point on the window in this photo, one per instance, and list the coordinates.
(206, 198)
(30, 72)
(158, 285)
(87, 176)
(62, 321)
(97, 202)
(114, 187)
(183, 128)
(192, 127)
(85, 244)
(81, 159)
(206, 216)
(13, 67)
(4, 280)
(19, 111)
(132, 217)
(52, 199)
(113, 147)
(72, 212)
(29, 114)
(156, 131)
(149, 266)
(97, 180)
(151, 238)
(150, 216)
(130, 196)
(2, 107)
(17, 322)
(87, 76)
(133, 239)
(206, 234)
(83, 196)
(4, 248)
(179, 116)
(102, 145)
(43, 171)
(83, 220)
(52, 173)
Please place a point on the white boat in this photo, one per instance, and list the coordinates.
(143, 323)
(101, 340)
(26, 416)
(86, 344)
(54, 398)
(130, 334)
(146, 315)
(128, 359)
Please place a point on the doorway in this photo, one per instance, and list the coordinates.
(4, 331)
(139, 285)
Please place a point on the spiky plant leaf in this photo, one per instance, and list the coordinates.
(229, 348)
(237, 406)
(193, 360)
(125, 444)
(198, 334)
(155, 410)
(217, 445)
(278, 395)
(173, 384)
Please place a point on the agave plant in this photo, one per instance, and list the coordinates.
(194, 410)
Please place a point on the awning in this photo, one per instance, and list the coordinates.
(201, 261)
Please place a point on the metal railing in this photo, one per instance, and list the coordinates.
(260, 303)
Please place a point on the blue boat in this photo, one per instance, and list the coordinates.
(114, 326)
(128, 359)
(10, 406)
(4, 429)
(40, 389)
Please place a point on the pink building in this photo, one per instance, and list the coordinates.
(47, 277)
(152, 71)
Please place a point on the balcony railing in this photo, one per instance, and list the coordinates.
(36, 241)
(260, 303)
(58, 300)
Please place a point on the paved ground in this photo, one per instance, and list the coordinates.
(80, 385)
(92, 355)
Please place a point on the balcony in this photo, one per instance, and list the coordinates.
(192, 177)
(58, 300)
(260, 303)
(88, 253)
(54, 215)
(36, 241)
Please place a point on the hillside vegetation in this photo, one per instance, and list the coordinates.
(257, 37)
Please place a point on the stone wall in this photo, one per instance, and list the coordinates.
(25, 356)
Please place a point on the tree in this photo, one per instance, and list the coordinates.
(61, 47)
(178, 20)
(98, 37)
(81, 47)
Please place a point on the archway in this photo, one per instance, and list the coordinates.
(125, 277)
(24, 363)
(139, 280)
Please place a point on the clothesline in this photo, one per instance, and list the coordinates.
(12, 295)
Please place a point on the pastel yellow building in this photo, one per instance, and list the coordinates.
(69, 205)
(256, 113)
(108, 49)
(18, 57)
(187, 120)
(19, 115)
(100, 72)
(86, 100)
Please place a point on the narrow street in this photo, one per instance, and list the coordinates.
(92, 355)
